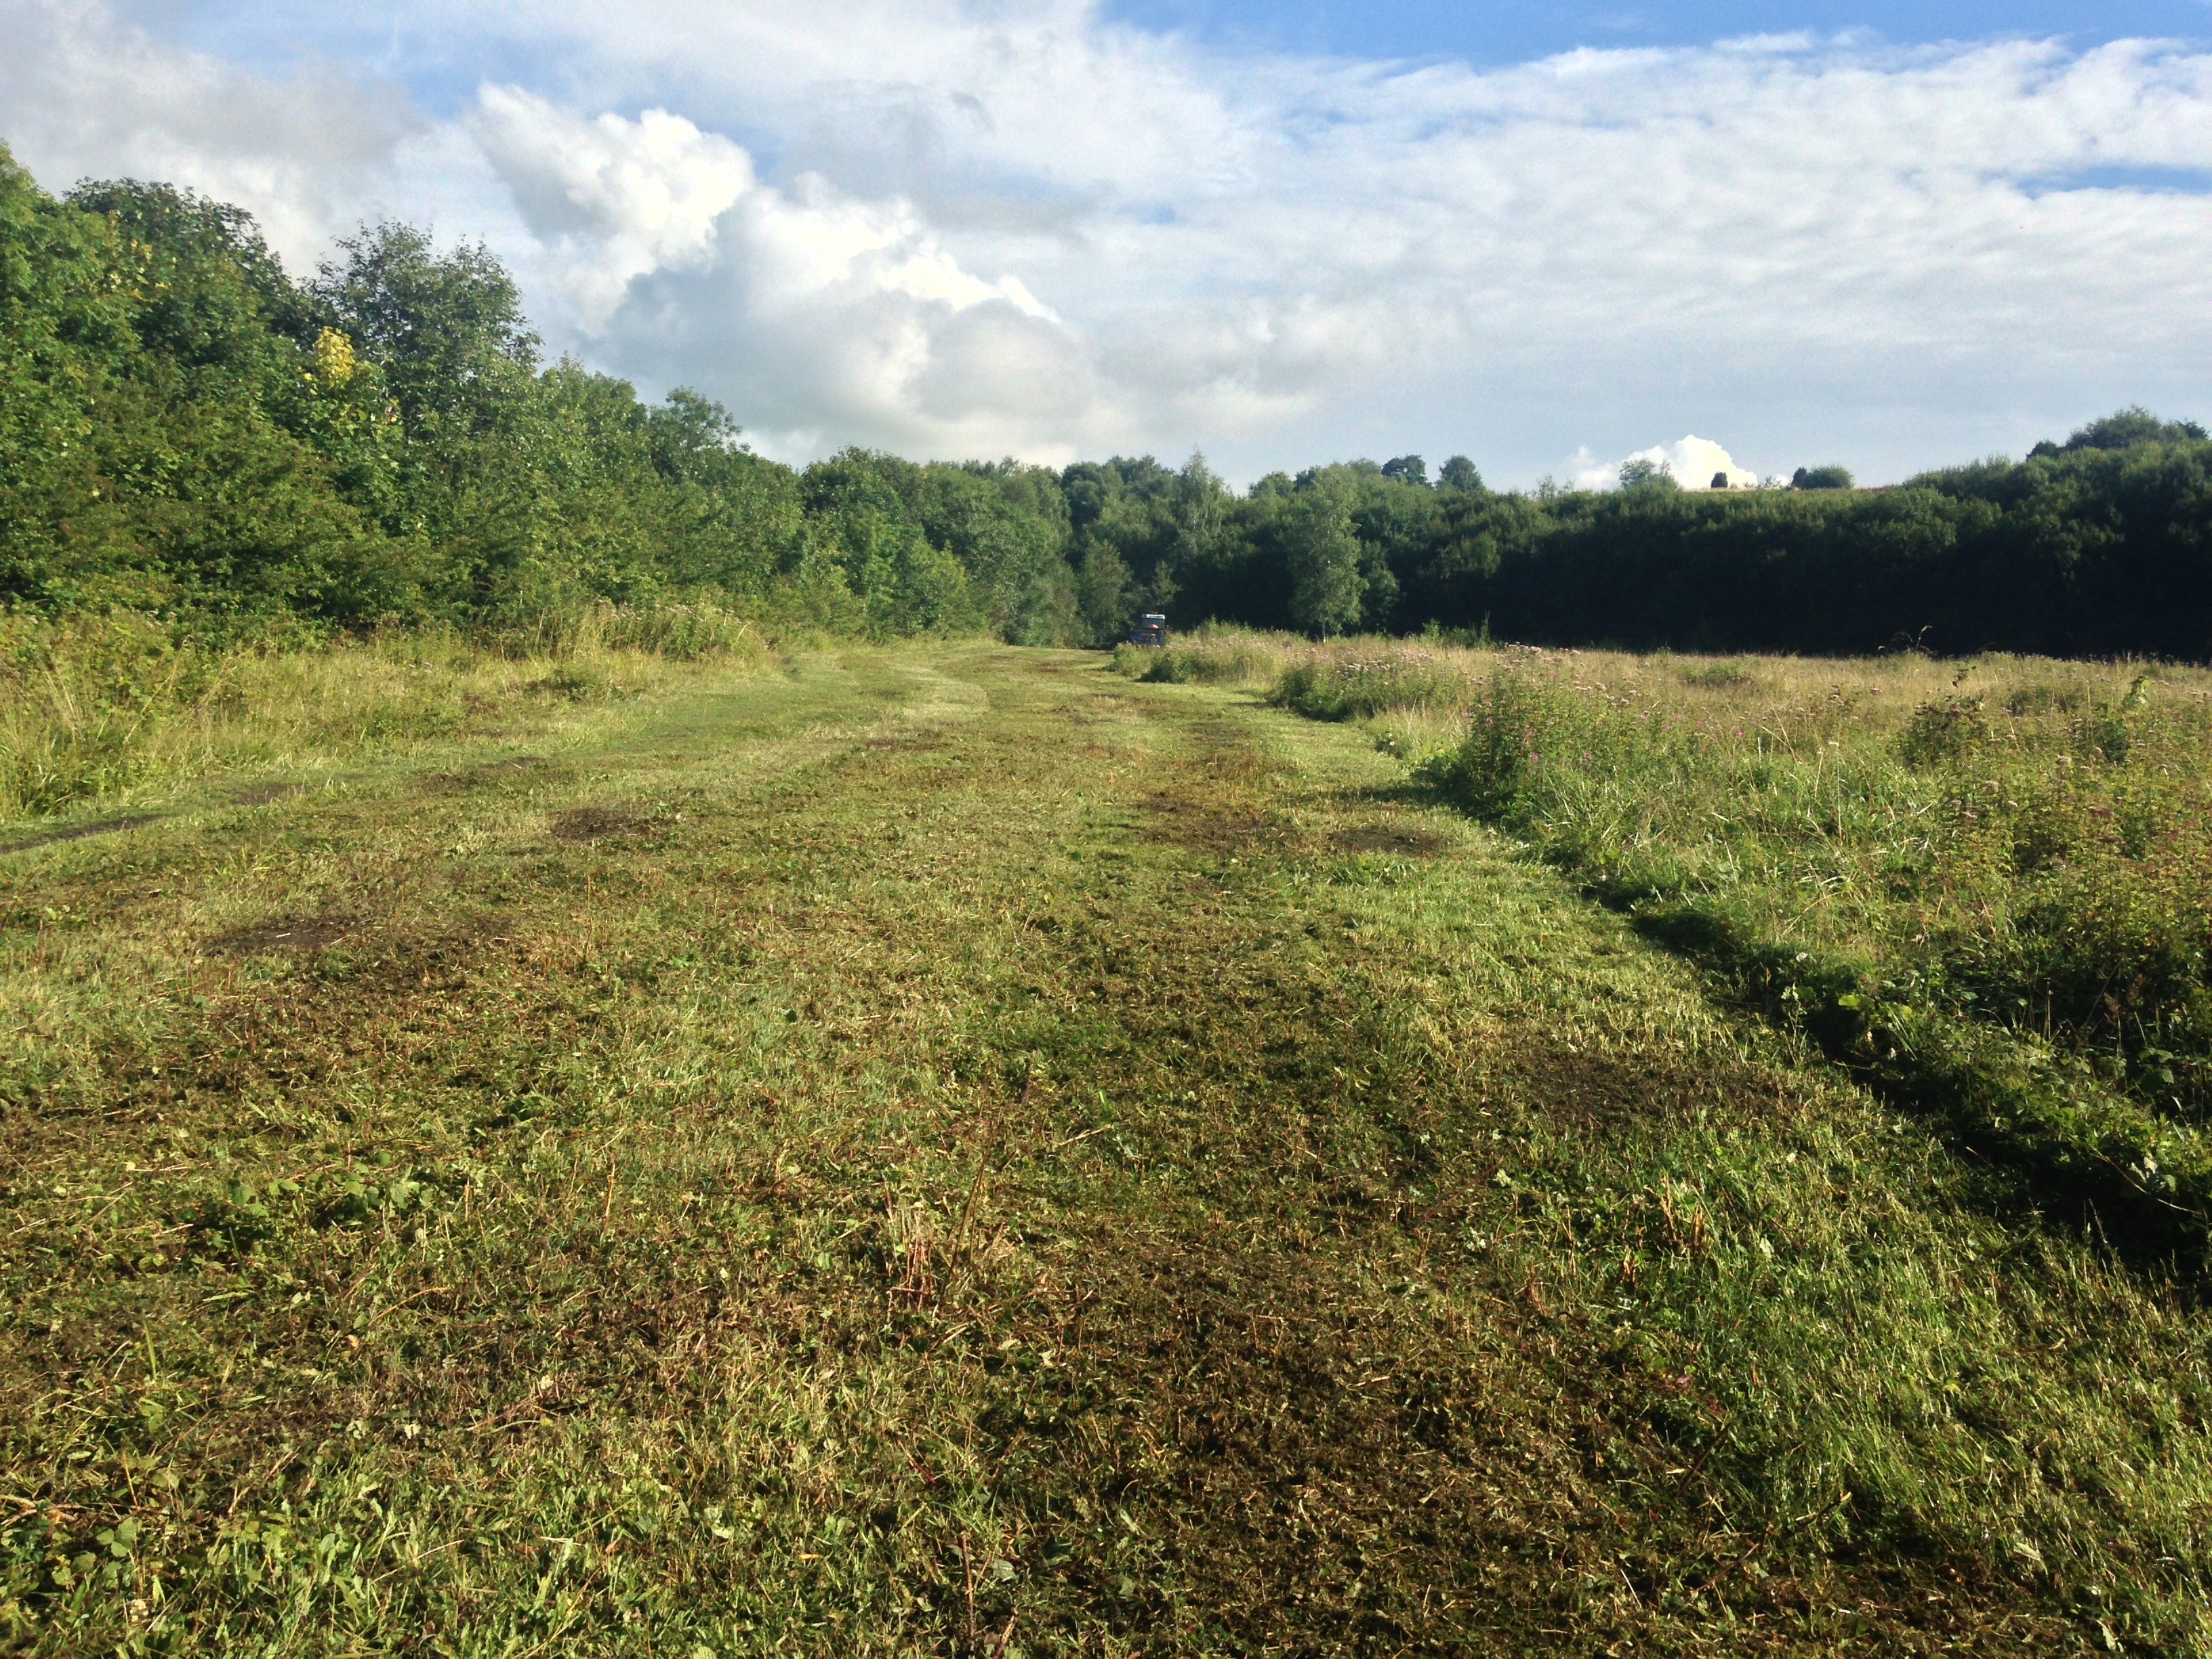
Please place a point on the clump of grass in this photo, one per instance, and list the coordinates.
(1914, 876)
(121, 705)
(1211, 655)
(1346, 685)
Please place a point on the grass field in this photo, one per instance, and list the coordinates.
(1985, 886)
(954, 1150)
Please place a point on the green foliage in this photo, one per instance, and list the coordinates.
(186, 431)
(1324, 559)
(1822, 477)
(2131, 427)
(1459, 473)
(1339, 687)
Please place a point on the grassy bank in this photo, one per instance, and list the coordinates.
(947, 1150)
(122, 708)
(1987, 885)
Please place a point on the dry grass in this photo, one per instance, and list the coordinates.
(125, 709)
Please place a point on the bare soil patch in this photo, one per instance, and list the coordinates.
(1181, 821)
(263, 794)
(303, 934)
(82, 831)
(1402, 839)
(492, 773)
(585, 823)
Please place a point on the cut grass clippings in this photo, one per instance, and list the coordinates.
(946, 1151)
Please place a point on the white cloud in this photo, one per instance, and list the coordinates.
(664, 247)
(86, 93)
(609, 200)
(1692, 462)
(949, 223)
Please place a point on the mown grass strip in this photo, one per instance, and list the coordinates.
(1983, 888)
(958, 1151)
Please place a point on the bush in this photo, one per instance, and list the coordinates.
(1943, 732)
(1210, 655)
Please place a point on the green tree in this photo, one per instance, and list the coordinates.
(1326, 582)
(1822, 477)
(2129, 427)
(1459, 473)
(1103, 591)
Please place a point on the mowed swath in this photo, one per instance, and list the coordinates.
(949, 1151)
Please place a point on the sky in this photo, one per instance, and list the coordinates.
(1741, 236)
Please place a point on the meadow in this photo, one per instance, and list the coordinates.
(947, 1148)
(1984, 885)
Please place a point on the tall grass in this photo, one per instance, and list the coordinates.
(123, 706)
(1987, 884)
(1212, 655)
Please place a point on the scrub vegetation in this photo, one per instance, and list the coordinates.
(1986, 886)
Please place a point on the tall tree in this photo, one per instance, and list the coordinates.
(1459, 473)
(1326, 584)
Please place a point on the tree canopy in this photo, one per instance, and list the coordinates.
(184, 430)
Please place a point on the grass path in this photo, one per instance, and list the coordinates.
(951, 1152)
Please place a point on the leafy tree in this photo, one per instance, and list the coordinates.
(1103, 591)
(1822, 477)
(447, 326)
(1326, 583)
(1642, 473)
(186, 431)
(2129, 428)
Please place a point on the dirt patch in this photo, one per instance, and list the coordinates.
(1602, 1090)
(263, 794)
(302, 934)
(1389, 838)
(583, 824)
(917, 743)
(493, 773)
(84, 831)
(1181, 821)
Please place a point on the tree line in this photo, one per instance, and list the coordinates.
(188, 429)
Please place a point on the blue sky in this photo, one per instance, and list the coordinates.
(1510, 34)
(1778, 234)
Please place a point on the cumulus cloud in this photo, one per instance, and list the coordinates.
(609, 200)
(946, 223)
(1692, 462)
(88, 93)
(833, 313)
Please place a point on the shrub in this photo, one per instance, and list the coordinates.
(1943, 731)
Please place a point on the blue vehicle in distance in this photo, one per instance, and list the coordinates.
(1152, 628)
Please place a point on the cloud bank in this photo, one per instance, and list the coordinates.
(952, 227)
